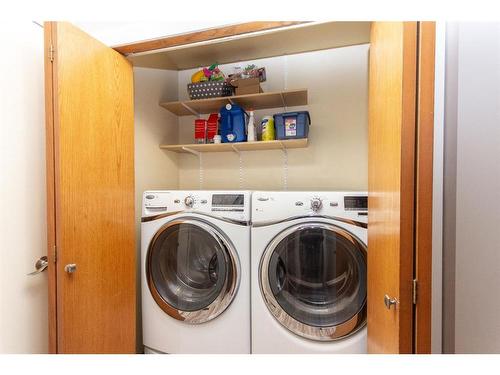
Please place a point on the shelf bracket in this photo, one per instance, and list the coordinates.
(190, 109)
(191, 151)
(283, 101)
(198, 154)
(235, 149)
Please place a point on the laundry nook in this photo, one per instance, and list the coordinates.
(261, 187)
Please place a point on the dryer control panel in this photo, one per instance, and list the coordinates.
(269, 206)
(227, 204)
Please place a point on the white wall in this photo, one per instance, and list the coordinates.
(476, 115)
(477, 303)
(154, 168)
(336, 157)
(23, 299)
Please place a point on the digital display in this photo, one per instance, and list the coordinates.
(228, 200)
(356, 203)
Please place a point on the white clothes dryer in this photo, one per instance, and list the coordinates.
(195, 262)
(309, 272)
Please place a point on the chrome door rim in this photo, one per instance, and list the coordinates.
(331, 333)
(229, 289)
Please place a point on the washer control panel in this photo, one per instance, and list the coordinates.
(229, 204)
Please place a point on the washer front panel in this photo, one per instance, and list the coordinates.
(313, 280)
(192, 270)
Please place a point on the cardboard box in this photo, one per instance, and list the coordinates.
(245, 86)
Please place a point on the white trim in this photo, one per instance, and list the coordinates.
(437, 193)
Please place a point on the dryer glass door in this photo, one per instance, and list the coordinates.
(191, 270)
(313, 277)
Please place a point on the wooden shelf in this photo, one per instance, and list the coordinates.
(288, 98)
(240, 146)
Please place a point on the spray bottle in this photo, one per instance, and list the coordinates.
(251, 128)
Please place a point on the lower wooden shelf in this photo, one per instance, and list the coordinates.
(240, 146)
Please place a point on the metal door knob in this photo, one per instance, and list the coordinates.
(70, 268)
(40, 266)
(388, 301)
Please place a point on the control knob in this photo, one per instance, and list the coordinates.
(189, 201)
(316, 204)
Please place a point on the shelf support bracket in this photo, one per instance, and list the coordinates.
(191, 151)
(190, 109)
(283, 101)
(198, 154)
(235, 149)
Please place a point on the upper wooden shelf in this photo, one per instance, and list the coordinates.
(288, 98)
(193, 51)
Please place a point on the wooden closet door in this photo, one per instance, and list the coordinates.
(391, 185)
(400, 183)
(90, 165)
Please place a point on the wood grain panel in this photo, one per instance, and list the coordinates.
(49, 32)
(94, 174)
(202, 36)
(424, 186)
(392, 95)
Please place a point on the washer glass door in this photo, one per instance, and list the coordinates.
(191, 270)
(313, 279)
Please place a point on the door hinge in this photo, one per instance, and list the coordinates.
(414, 291)
(51, 53)
(55, 253)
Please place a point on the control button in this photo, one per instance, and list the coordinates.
(177, 201)
(189, 201)
(299, 203)
(334, 204)
(262, 199)
(150, 196)
(316, 204)
(204, 201)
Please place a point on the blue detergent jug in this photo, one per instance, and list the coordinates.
(232, 124)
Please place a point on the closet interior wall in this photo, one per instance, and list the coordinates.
(336, 158)
(154, 168)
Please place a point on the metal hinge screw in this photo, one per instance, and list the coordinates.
(51, 53)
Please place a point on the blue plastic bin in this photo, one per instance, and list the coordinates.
(292, 125)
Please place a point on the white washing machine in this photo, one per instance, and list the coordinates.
(196, 271)
(308, 262)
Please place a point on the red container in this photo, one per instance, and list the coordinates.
(200, 130)
(212, 127)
